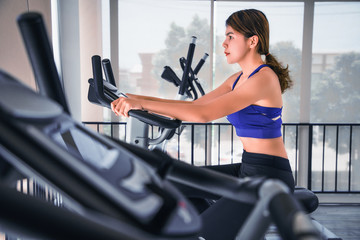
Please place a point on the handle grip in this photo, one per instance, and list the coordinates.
(154, 119)
(109, 75)
(189, 58)
(201, 63)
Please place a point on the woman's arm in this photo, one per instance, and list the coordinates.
(223, 88)
(219, 103)
(142, 97)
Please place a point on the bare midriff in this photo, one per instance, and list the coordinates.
(271, 146)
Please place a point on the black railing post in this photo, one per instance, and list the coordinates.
(310, 157)
(323, 160)
(232, 144)
(350, 150)
(192, 143)
(206, 145)
(219, 148)
(297, 152)
(336, 157)
(178, 141)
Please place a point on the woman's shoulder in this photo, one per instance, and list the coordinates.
(268, 85)
(231, 79)
(267, 76)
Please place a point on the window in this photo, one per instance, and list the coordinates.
(335, 90)
(154, 34)
(336, 63)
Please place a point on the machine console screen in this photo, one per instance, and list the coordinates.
(91, 150)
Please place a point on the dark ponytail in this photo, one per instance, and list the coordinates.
(250, 22)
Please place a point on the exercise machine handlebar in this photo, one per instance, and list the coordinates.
(109, 75)
(101, 91)
(35, 38)
(196, 71)
(193, 76)
(297, 225)
(201, 63)
(170, 76)
(186, 85)
(189, 59)
(98, 81)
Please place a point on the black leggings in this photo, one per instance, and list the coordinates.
(223, 219)
(256, 164)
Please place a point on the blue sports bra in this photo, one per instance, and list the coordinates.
(256, 121)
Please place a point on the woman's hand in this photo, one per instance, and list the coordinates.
(122, 106)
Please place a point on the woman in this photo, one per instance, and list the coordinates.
(251, 100)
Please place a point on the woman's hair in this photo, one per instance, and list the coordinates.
(250, 22)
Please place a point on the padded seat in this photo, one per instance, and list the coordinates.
(307, 198)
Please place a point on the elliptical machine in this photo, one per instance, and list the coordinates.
(104, 92)
(115, 190)
(106, 188)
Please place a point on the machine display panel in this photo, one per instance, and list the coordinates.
(90, 149)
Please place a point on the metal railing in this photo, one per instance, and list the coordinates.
(333, 149)
(34, 188)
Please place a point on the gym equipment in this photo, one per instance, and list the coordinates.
(307, 198)
(39, 139)
(103, 93)
(189, 75)
(110, 187)
(91, 172)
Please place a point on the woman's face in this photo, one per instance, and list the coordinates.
(235, 45)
